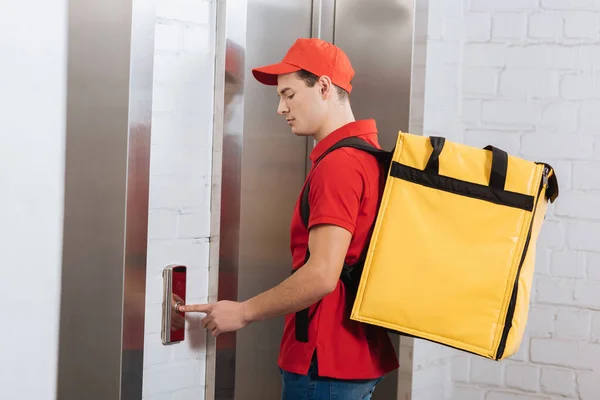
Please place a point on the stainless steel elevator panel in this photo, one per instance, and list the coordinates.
(138, 182)
(110, 60)
(263, 168)
(377, 35)
(231, 45)
(272, 174)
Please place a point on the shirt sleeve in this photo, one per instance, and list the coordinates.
(336, 191)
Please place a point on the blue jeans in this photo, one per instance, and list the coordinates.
(313, 387)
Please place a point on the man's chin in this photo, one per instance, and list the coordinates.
(298, 132)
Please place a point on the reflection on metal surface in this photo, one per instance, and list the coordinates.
(378, 37)
(263, 168)
(106, 197)
(323, 13)
(273, 171)
(174, 288)
(219, 121)
(138, 181)
(234, 70)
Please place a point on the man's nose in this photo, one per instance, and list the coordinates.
(282, 108)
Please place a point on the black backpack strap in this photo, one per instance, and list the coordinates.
(353, 142)
(302, 319)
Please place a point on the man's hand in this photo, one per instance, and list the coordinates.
(224, 316)
(328, 246)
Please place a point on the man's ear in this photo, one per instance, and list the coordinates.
(326, 86)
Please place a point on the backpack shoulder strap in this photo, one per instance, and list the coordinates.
(302, 318)
(353, 142)
(357, 143)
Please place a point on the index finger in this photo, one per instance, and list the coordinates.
(203, 308)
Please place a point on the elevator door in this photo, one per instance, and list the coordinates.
(264, 164)
(273, 163)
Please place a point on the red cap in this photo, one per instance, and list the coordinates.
(313, 55)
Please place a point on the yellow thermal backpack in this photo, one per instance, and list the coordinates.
(452, 254)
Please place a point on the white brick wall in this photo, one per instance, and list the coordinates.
(180, 169)
(523, 75)
(33, 71)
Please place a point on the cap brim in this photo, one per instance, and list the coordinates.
(268, 75)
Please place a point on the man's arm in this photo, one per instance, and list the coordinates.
(335, 203)
(328, 245)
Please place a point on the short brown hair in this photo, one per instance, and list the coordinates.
(311, 80)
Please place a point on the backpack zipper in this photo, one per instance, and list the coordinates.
(513, 298)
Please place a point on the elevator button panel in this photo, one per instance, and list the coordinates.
(174, 287)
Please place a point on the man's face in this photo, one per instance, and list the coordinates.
(303, 107)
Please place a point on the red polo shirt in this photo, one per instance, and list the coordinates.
(345, 190)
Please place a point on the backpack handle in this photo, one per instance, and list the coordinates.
(499, 162)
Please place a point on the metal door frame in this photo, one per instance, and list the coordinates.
(108, 118)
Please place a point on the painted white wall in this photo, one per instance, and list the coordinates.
(32, 142)
(180, 183)
(524, 75)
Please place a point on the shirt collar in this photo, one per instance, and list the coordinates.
(351, 129)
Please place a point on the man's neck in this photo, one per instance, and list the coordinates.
(342, 117)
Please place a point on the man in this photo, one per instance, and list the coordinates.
(340, 356)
